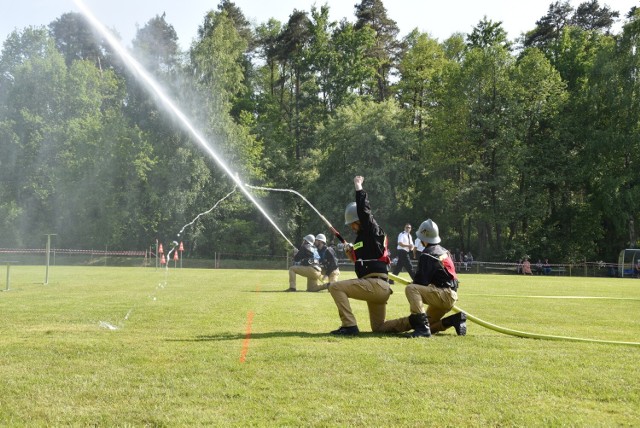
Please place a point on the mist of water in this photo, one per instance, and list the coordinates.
(154, 88)
(206, 212)
(271, 189)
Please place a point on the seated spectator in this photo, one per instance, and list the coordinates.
(526, 267)
(539, 267)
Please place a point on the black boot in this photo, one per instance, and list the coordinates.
(346, 331)
(420, 325)
(457, 321)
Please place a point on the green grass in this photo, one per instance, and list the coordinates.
(176, 359)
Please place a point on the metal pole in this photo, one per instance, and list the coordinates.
(46, 274)
(156, 254)
(8, 268)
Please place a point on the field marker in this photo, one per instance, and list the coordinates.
(247, 337)
(553, 297)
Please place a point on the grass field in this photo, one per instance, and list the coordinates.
(101, 346)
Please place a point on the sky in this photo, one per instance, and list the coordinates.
(439, 18)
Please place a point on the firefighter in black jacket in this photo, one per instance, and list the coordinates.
(371, 257)
(328, 260)
(436, 284)
(306, 262)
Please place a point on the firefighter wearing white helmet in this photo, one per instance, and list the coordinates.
(429, 232)
(328, 260)
(306, 262)
(371, 257)
(436, 284)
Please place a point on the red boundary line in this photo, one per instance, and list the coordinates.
(247, 337)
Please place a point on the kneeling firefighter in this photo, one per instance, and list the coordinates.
(306, 262)
(436, 284)
(328, 260)
(371, 257)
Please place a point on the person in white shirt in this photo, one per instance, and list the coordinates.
(405, 245)
(418, 248)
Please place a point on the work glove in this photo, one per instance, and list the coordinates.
(349, 251)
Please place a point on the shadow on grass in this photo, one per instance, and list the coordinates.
(285, 291)
(277, 334)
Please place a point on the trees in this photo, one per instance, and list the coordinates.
(510, 151)
(610, 109)
(33, 76)
(421, 78)
(75, 40)
(367, 138)
(372, 14)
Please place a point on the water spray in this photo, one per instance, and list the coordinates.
(174, 245)
(206, 212)
(517, 333)
(154, 88)
(323, 218)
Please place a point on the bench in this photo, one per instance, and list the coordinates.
(504, 269)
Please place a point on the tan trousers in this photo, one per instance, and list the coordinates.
(334, 276)
(309, 272)
(439, 301)
(374, 291)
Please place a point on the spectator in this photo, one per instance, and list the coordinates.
(405, 245)
(546, 267)
(539, 267)
(460, 259)
(419, 247)
(526, 267)
(637, 268)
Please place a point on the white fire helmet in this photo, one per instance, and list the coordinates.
(351, 214)
(428, 232)
(310, 239)
(320, 237)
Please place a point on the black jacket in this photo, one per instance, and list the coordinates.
(328, 260)
(305, 255)
(436, 267)
(371, 242)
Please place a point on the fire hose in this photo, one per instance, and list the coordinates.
(456, 309)
(518, 333)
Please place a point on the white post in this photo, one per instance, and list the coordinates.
(8, 268)
(48, 250)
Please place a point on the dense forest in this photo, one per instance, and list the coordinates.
(528, 145)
